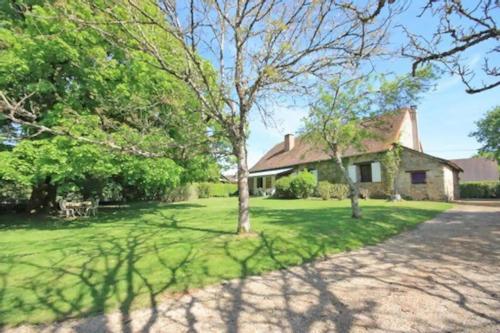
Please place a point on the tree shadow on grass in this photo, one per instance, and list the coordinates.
(113, 275)
(132, 213)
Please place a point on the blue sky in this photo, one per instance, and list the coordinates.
(446, 115)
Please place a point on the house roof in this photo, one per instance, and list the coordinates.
(477, 169)
(449, 163)
(386, 129)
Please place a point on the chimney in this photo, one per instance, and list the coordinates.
(416, 140)
(289, 142)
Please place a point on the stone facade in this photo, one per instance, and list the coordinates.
(441, 181)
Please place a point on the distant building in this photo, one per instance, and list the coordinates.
(477, 169)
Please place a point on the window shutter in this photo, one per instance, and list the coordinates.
(376, 174)
(351, 171)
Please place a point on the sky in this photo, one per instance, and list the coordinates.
(446, 115)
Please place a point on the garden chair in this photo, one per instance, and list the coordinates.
(92, 209)
(67, 212)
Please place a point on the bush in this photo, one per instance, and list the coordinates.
(324, 190)
(181, 193)
(364, 193)
(303, 184)
(221, 190)
(480, 190)
(203, 190)
(339, 191)
(282, 186)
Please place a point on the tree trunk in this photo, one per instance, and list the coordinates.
(42, 198)
(356, 209)
(243, 193)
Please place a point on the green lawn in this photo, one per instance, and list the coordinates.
(53, 269)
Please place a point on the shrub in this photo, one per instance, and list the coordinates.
(324, 190)
(222, 190)
(209, 190)
(339, 191)
(480, 190)
(203, 190)
(364, 193)
(181, 193)
(282, 186)
(303, 184)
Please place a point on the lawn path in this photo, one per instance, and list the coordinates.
(442, 276)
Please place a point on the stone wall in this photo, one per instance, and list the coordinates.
(440, 184)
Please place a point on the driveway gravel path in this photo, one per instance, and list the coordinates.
(444, 276)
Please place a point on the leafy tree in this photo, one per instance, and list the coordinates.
(344, 115)
(488, 133)
(391, 161)
(258, 49)
(87, 89)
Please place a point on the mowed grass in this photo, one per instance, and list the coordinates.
(125, 258)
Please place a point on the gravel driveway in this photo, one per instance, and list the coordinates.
(443, 276)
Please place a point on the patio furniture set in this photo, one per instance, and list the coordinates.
(78, 208)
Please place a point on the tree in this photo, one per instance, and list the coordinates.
(391, 161)
(461, 26)
(84, 88)
(488, 133)
(257, 49)
(347, 112)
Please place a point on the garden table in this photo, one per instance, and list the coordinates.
(79, 207)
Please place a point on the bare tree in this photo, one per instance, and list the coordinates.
(461, 26)
(236, 54)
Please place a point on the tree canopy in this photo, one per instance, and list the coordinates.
(488, 133)
(105, 101)
(338, 119)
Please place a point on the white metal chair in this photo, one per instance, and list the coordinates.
(92, 210)
(67, 212)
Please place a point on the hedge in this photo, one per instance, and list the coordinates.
(480, 190)
(222, 190)
(327, 190)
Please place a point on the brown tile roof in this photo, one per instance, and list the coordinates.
(477, 169)
(387, 131)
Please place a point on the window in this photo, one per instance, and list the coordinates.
(366, 173)
(418, 177)
(259, 182)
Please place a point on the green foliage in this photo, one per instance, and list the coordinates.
(301, 185)
(488, 133)
(203, 190)
(480, 190)
(394, 93)
(327, 190)
(221, 190)
(390, 162)
(337, 120)
(283, 187)
(339, 191)
(324, 190)
(183, 192)
(150, 249)
(83, 84)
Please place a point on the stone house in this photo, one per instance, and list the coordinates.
(420, 175)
